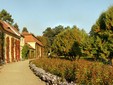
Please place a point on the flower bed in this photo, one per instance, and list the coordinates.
(79, 72)
(49, 78)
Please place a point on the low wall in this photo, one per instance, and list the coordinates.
(49, 78)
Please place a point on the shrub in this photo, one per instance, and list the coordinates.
(81, 72)
(25, 51)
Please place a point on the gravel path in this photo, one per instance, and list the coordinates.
(18, 73)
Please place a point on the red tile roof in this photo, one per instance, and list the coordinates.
(31, 38)
(7, 27)
(25, 33)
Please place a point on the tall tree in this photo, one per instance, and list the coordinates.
(102, 31)
(45, 43)
(58, 29)
(51, 33)
(78, 47)
(24, 29)
(69, 42)
(5, 16)
(16, 26)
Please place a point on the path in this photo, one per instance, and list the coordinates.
(18, 73)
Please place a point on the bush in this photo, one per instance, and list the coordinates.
(80, 72)
(25, 51)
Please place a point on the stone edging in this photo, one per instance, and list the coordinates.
(49, 78)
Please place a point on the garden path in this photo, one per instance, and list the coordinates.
(18, 73)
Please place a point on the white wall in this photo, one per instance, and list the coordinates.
(32, 44)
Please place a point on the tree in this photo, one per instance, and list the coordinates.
(58, 29)
(78, 48)
(5, 16)
(51, 33)
(24, 29)
(25, 51)
(61, 45)
(69, 42)
(45, 43)
(16, 26)
(102, 31)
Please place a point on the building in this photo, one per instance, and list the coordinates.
(12, 42)
(10, 45)
(22, 42)
(34, 44)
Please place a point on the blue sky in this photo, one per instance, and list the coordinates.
(37, 15)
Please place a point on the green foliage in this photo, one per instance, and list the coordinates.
(45, 42)
(73, 42)
(16, 26)
(24, 29)
(65, 41)
(5, 16)
(69, 42)
(81, 72)
(61, 44)
(102, 33)
(50, 34)
(25, 51)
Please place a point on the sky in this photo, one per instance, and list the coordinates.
(37, 15)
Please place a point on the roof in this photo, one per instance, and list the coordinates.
(7, 27)
(25, 33)
(31, 38)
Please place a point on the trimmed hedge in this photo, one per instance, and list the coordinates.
(80, 72)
